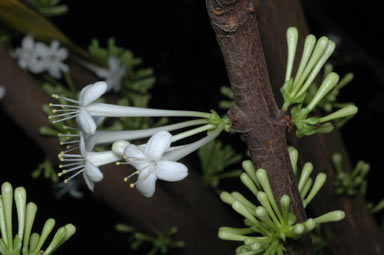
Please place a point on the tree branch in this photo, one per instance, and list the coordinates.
(357, 233)
(255, 113)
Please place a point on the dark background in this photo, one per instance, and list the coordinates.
(176, 40)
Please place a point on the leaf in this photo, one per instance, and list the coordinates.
(25, 20)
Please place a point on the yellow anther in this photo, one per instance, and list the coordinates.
(118, 163)
(67, 138)
(132, 185)
(65, 126)
(68, 147)
(50, 117)
(61, 143)
(54, 110)
(50, 105)
(125, 157)
(59, 134)
(134, 159)
(53, 121)
(60, 166)
(55, 96)
(126, 179)
(66, 181)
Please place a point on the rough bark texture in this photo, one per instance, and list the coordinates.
(255, 113)
(358, 233)
(189, 205)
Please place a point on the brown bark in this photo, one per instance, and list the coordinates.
(358, 233)
(255, 113)
(190, 206)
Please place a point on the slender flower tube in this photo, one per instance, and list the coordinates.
(106, 137)
(86, 109)
(86, 162)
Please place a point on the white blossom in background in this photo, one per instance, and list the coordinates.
(2, 92)
(53, 59)
(29, 56)
(87, 162)
(150, 164)
(114, 75)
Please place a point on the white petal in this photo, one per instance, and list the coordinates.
(146, 184)
(41, 49)
(54, 70)
(157, 145)
(136, 157)
(92, 92)
(62, 53)
(93, 172)
(171, 171)
(86, 122)
(88, 181)
(54, 46)
(82, 147)
(27, 42)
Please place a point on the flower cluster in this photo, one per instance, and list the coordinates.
(153, 160)
(350, 183)
(353, 183)
(268, 225)
(296, 90)
(37, 57)
(160, 243)
(25, 242)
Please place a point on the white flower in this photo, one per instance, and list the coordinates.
(30, 55)
(37, 57)
(150, 164)
(2, 92)
(86, 109)
(53, 58)
(87, 96)
(87, 162)
(114, 75)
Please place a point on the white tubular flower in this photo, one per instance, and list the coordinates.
(85, 109)
(114, 75)
(87, 163)
(2, 92)
(150, 164)
(87, 96)
(30, 55)
(53, 58)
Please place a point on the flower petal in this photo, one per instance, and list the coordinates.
(88, 181)
(86, 122)
(135, 157)
(146, 184)
(93, 172)
(157, 145)
(27, 42)
(171, 171)
(92, 92)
